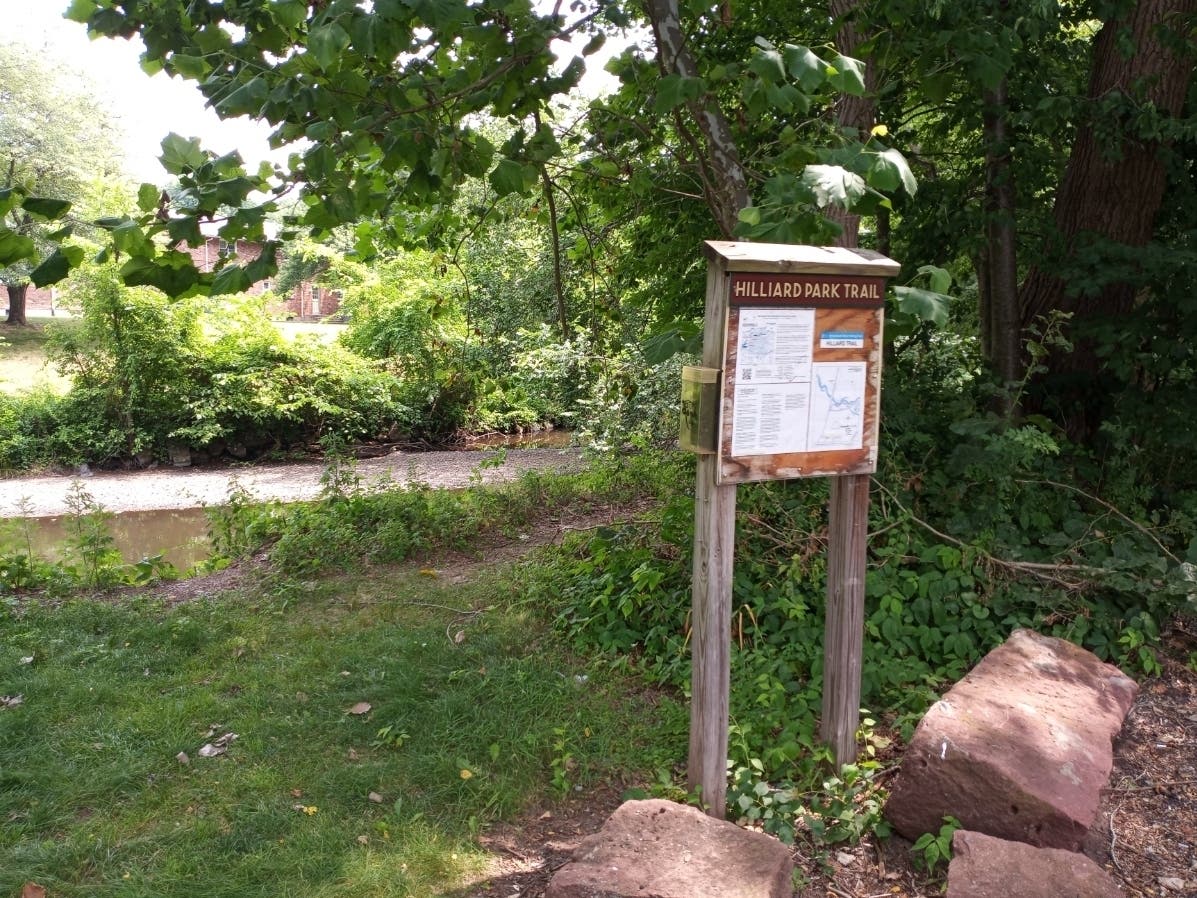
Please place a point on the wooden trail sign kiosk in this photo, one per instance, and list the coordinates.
(790, 386)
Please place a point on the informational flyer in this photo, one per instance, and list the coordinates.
(773, 381)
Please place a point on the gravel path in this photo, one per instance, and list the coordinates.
(190, 487)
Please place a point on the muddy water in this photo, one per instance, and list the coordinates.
(178, 534)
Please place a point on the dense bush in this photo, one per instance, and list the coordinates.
(147, 373)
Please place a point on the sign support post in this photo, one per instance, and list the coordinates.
(714, 545)
(792, 355)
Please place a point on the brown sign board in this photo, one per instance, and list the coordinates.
(801, 362)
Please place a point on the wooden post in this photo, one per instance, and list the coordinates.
(714, 548)
(844, 628)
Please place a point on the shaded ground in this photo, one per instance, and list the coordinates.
(190, 487)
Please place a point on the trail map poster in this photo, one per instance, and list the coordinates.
(801, 376)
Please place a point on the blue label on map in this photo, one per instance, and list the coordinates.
(841, 340)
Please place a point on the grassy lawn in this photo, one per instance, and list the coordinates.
(23, 359)
(476, 711)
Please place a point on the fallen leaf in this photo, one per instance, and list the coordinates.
(11, 701)
(466, 774)
(28, 659)
(33, 890)
(428, 572)
(301, 697)
(351, 754)
(208, 750)
(310, 810)
(375, 797)
(344, 673)
(297, 793)
(360, 708)
(459, 637)
(182, 758)
(363, 840)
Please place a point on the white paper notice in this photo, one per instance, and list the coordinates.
(773, 381)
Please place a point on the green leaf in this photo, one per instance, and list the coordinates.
(327, 43)
(926, 305)
(833, 184)
(804, 67)
(80, 10)
(938, 279)
(594, 45)
(768, 65)
(937, 87)
(57, 266)
(248, 99)
(180, 154)
(173, 273)
(750, 215)
(889, 171)
(508, 177)
(231, 279)
(147, 197)
(8, 199)
(849, 75)
(128, 237)
(674, 90)
(291, 13)
(194, 67)
(441, 13)
(14, 247)
(44, 207)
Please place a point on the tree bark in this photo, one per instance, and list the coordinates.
(1111, 196)
(16, 304)
(725, 183)
(1001, 316)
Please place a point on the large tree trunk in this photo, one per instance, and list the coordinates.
(1000, 311)
(1112, 196)
(724, 181)
(16, 304)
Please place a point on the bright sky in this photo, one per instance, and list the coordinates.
(146, 108)
(150, 108)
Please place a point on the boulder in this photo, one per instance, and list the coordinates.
(985, 867)
(1019, 749)
(659, 849)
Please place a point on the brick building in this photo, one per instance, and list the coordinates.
(307, 301)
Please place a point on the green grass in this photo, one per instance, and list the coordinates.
(23, 365)
(463, 729)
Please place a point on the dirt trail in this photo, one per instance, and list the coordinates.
(190, 487)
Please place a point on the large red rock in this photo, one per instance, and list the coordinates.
(1019, 749)
(658, 849)
(985, 867)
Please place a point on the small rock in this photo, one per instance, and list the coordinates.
(182, 758)
(844, 859)
(985, 867)
(375, 797)
(659, 849)
(1173, 883)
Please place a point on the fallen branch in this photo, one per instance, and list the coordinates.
(1106, 505)
(1043, 570)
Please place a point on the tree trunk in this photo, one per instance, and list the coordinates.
(1110, 196)
(16, 304)
(851, 111)
(725, 183)
(1001, 317)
